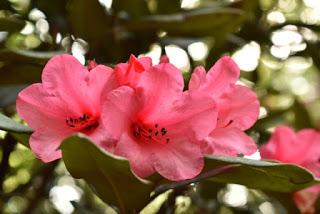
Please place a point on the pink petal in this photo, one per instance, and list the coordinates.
(129, 73)
(119, 109)
(279, 144)
(230, 142)
(46, 145)
(219, 78)
(64, 77)
(37, 107)
(238, 108)
(310, 146)
(192, 116)
(179, 160)
(306, 199)
(160, 85)
(198, 78)
(139, 155)
(286, 146)
(102, 137)
(100, 82)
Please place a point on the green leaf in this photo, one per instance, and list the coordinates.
(8, 94)
(7, 124)
(109, 175)
(20, 73)
(133, 8)
(263, 175)
(168, 6)
(27, 56)
(22, 138)
(115, 184)
(11, 24)
(23, 66)
(200, 22)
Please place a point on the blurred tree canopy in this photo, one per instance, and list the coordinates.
(275, 43)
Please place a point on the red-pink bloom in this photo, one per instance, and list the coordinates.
(302, 148)
(158, 126)
(130, 73)
(238, 108)
(68, 100)
(306, 199)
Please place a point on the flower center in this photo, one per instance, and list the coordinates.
(150, 133)
(84, 123)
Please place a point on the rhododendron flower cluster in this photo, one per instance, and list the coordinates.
(141, 112)
(302, 148)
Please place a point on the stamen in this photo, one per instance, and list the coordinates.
(82, 123)
(146, 134)
(163, 131)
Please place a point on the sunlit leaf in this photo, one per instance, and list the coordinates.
(27, 56)
(263, 175)
(20, 73)
(256, 174)
(8, 94)
(168, 6)
(7, 124)
(110, 176)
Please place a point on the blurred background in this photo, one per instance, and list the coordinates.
(275, 43)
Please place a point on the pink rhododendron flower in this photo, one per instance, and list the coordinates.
(306, 199)
(130, 73)
(68, 100)
(158, 126)
(302, 148)
(238, 108)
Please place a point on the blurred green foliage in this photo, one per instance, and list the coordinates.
(275, 43)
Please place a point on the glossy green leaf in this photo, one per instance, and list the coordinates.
(168, 6)
(8, 94)
(7, 124)
(109, 175)
(23, 66)
(216, 20)
(20, 73)
(263, 175)
(27, 56)
(200, 22)
(132, 9)
(22, 138)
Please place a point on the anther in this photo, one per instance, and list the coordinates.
(163, 131)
